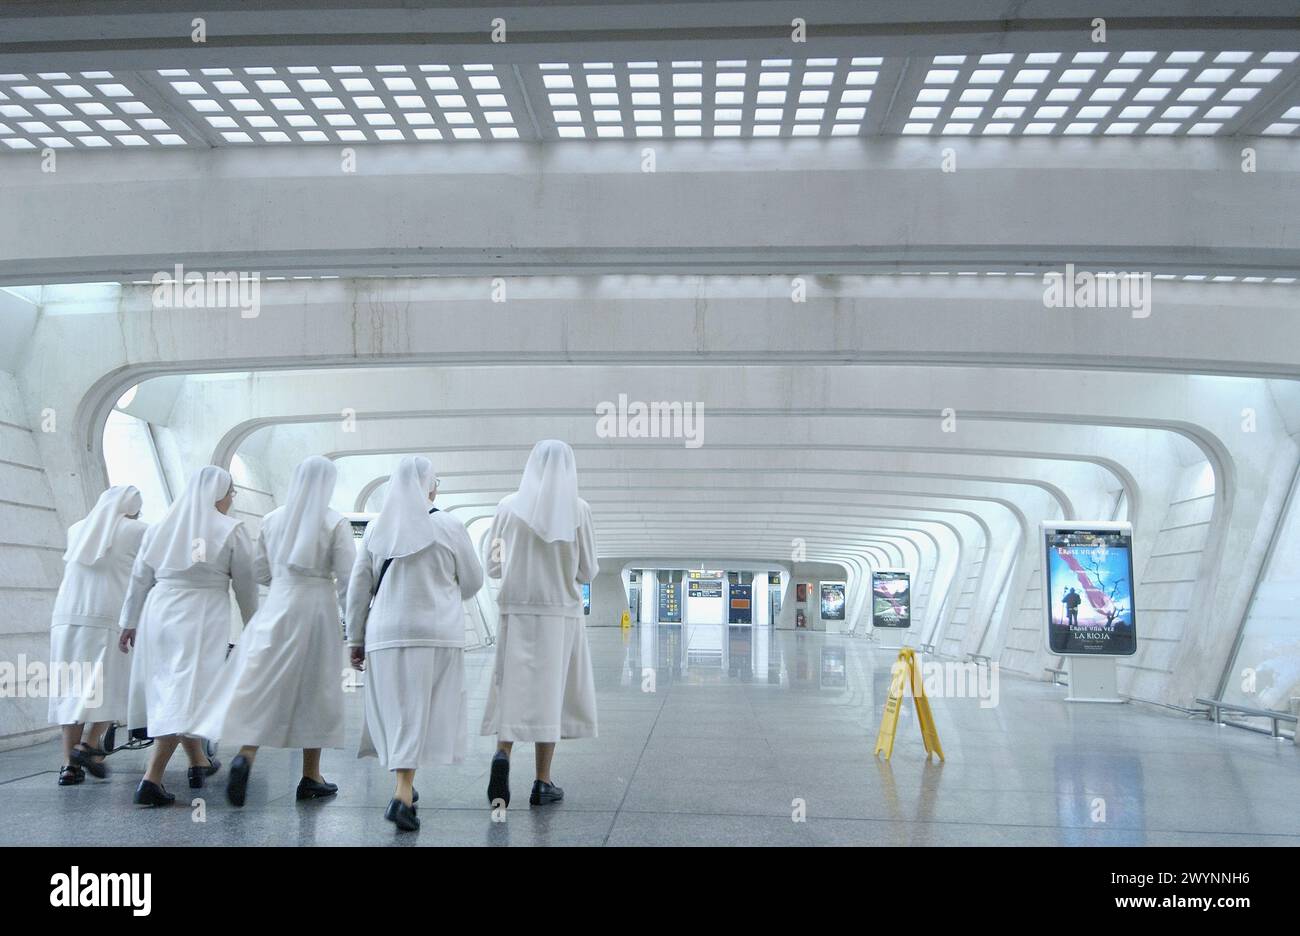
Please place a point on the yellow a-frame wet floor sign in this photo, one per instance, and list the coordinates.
(905, 670)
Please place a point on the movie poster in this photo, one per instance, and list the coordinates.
(891, 598)
(832, 601)
(1089, 582)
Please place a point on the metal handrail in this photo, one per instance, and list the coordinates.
(1189, 712)
(1217, 708)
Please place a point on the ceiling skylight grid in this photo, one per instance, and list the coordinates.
(1095, 93)
(683, 99)
(349, 103)
(83, 110)
(1099, 93)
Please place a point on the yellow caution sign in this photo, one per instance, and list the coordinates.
(627, 619)
(905, 671)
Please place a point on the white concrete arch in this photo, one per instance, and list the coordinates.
(781, 544)
(330, 435)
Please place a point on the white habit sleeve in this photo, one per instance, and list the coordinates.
(359, 586)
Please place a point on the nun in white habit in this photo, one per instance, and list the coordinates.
(406, 623)
(89, 675)
(177, 616)
(543, 550)
(281, 686)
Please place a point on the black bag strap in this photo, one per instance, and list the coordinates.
(379, 581)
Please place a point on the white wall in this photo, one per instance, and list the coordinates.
(32, 540)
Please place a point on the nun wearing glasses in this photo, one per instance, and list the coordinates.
(414, 572)
(89, 675)
(282, 686)
(543, 549)
(177, 617)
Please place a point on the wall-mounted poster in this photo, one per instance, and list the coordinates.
(740, 605)
(1088, 581)
(586, 598)
(670, 602)
(801, 592)
(891, 598)
(833, 601)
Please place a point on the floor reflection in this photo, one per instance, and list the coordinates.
(715, 653)
(714, 734)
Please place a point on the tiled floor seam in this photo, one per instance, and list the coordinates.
(618, 811)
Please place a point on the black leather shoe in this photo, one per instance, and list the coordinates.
(237, 783)
(499, 780)
(544, 793)
(151, 794)
(402, 816)
(310, 789)
(83, 756)
(71, 775)
(197, 774)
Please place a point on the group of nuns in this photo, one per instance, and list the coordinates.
(144, 614)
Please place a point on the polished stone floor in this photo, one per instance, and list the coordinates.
(760, 738)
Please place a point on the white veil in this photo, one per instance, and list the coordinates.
(193, 530)
(295, 539)
(404, 526)
(91, 539)
(547, 499)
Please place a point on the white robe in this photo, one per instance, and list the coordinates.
(89, 675)
(542, 686)
(414, 636)
(283, 684)
(182, 621)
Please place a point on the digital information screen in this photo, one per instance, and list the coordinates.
(1088, 581)
(670, 602)
(891, 598)
(833, 601)
(586, 598)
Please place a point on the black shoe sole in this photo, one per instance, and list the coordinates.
(539, 801)
(499, 782)
(237, 785)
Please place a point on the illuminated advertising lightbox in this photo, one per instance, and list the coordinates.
(1088, 584)
(586, 599)
(833, 601)
(891, 598)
